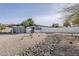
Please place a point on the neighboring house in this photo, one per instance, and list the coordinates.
(22, 29)
(29, 29)
(55, 25)
(18, 29)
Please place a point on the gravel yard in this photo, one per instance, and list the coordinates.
(39, 44)
(11, 45)
(55, 45)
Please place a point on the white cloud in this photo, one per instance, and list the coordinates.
(48, 19)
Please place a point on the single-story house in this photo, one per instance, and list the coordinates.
(18, 29)
(22, 29)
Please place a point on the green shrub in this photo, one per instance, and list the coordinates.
(2, 27)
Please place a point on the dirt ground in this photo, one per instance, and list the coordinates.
(11, 45)
(39, 44)
(55, 45)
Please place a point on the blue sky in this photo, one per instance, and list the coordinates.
(42, 14)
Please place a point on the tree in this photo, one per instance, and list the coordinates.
(28, 22)
(72, 14)
(2, 26)
(75, 20)
(67, 23)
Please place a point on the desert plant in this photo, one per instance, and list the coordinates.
(66, 23)
(2, 26)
